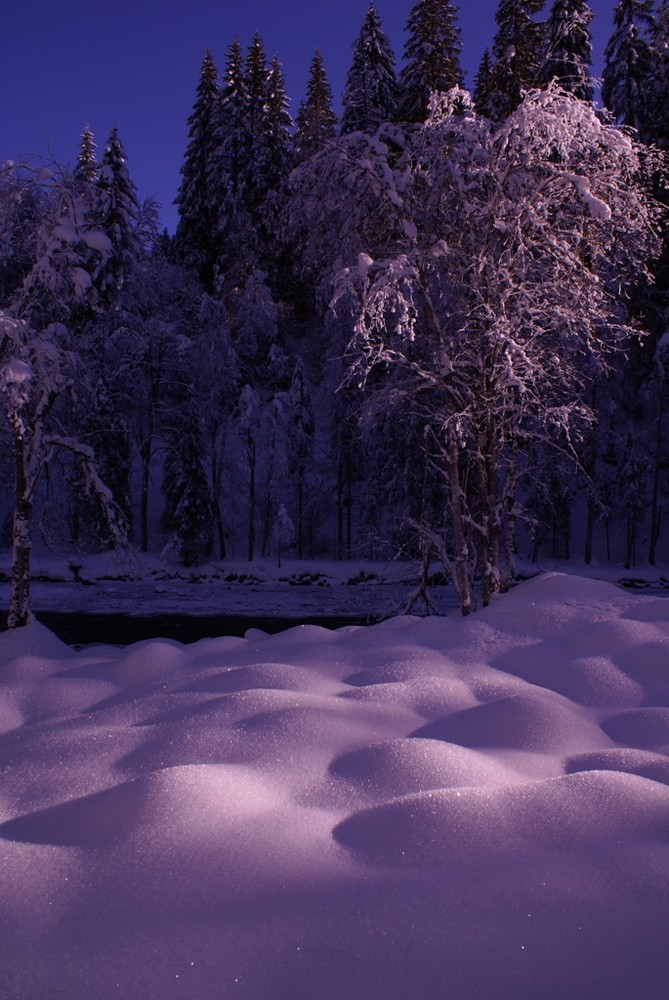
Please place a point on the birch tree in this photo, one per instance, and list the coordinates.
(36, 373)
(494, 322)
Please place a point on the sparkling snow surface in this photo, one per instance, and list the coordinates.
(419, 810)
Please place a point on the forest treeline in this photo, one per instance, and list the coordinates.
(433, 328)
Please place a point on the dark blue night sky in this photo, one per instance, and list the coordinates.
(136, 65)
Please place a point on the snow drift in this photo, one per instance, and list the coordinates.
(424, 808)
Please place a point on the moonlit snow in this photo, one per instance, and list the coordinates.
(424, 809)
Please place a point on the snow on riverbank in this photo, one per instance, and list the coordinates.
(419, 809)
(135, 584)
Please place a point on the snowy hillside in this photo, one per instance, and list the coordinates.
(428, 808)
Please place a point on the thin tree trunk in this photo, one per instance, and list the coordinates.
(145, 453)
(300, 512)
(655, 498)
(510, 535)
(607, 536)
(491, 568)
(340, 510)
(589, 529)
(19, 601)
(591, 472)
(252, 499)
(488, 542)
(348, 503)
(461, 580)
(216, 496)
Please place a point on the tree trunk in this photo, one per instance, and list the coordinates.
(655, 498)
(348, 503)
(491, 573)
(340, 510)
(19, 601)
(252, 499)
(591, 472)
(510, 534)
(145, 454)
(461, 576)
(488, 541)
(216, 498)
(300, 512)
(589, 529)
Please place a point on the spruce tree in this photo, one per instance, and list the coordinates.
(483, 84)
(196, 236)
(658, 120)
(569, 48)
(627, 64)
(269, 127)
(254, 159)
(432, 55)
(518, 49)
(118, 211)
(230, 138)
(316, 120)
(231, 176)
(371, 93)
(257, 119)
(278, 143)
(188, 510)
(83, 208)
(86, 167)
(300, 442)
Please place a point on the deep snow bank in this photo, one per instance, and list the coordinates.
(424, 808)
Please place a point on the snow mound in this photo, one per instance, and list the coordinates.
(398, 767)
(641, 727)
(459, 826)
(429, 697)
(586, 679)
(523, 722)
(188, 803)
(631, 761)
(273, 676)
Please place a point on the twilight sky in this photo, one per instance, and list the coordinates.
(135, 63)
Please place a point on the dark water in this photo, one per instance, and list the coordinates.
(122, 630)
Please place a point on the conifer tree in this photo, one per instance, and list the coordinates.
(280, 121)
(483, 83)
(278, 150)
(432, 55)
(254, 159)
(118, 211)
(86, 167)
(300, 442)
(230, 137)
(371, 93)
(518, 49)
(658, 123)
(196, 237)
(316, 120)
(627, 64)
(231, 180)
(569, 48)
(257, 120)
(188, 508)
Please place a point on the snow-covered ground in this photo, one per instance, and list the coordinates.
(146, 586)
(417, 810)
